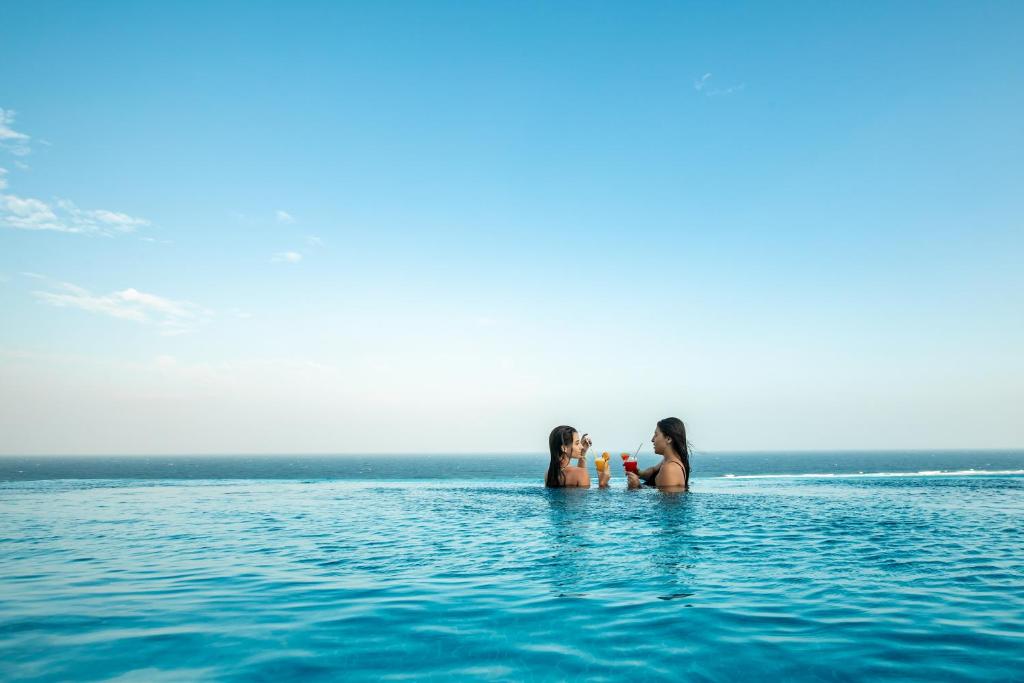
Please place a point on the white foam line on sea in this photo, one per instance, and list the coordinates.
(851, 475)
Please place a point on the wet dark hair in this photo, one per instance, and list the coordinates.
(560, 436)
(674, 429)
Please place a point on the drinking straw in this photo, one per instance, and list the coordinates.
(638, 450)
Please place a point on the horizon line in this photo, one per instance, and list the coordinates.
(775, 451)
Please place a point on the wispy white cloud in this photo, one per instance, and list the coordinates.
(27, 213)
(727, 91)
(66, 294)
(704, 85)
(314, 241)
(62, 215)
(287, 256)
(6, 121)
(284, 217)
(171, 316)
(15, 142)
(100, 220)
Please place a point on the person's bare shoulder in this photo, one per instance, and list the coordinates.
(671, 477)
(576, 476)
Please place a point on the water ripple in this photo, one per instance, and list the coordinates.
(850, 579)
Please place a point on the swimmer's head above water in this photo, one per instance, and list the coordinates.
(564, 444)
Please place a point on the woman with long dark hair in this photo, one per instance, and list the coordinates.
(673, 472)
(565, 445)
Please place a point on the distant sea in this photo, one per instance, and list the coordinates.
(843, 566)
(495, 467)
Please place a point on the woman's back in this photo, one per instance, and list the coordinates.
(576, 477)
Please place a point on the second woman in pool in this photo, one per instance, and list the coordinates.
(669, 440)
(673, 472)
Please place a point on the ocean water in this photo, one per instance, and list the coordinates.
(814, 566)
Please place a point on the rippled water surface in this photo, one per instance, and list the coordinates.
(815, 578)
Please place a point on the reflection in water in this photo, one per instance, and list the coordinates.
(566, 536)
(589, 532)
(672, 554)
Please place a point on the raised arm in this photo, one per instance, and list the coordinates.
(585, 444)
(635, 481)
(649, 473)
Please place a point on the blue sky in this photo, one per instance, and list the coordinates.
(327, 227)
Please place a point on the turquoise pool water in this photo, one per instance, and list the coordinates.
(837, 577)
